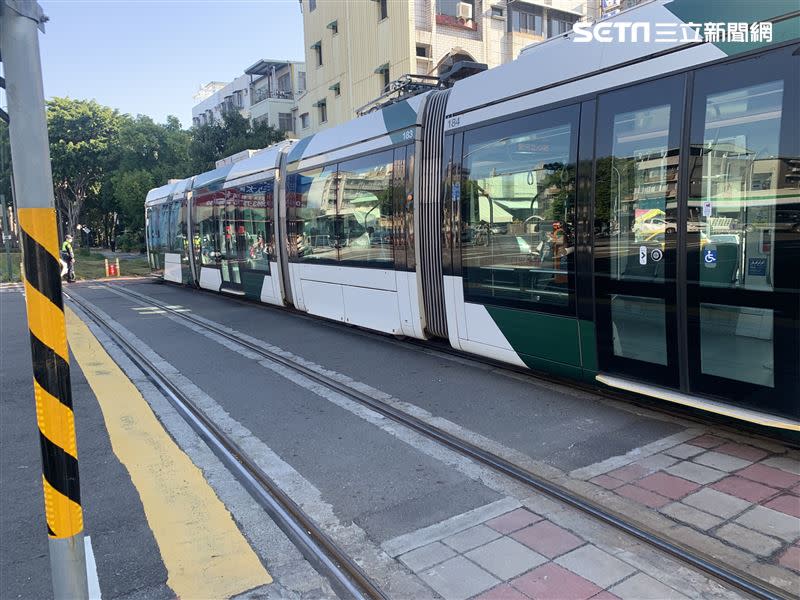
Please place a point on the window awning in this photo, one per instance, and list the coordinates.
(333, 25)
(319, 103)
(316, 45)
(335, 87)
(382, 69)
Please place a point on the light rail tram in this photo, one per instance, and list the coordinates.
(624, 214)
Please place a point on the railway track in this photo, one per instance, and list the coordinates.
(723, 573)
(344, 575)
(434, 347)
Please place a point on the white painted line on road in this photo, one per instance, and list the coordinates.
(91, 570)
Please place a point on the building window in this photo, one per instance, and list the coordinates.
(559, 23)
(285, 122)
(422, 51)
(304, 121)
(497, 12)
(383, 71)
(450, 7)
(527, 20)
(322, 105)
(384, 9)
(312, 4)
(317, 48)
(284, 83)
(301, 81)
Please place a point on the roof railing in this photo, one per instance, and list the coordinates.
(402, 88)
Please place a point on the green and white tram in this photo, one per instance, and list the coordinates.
(624, 214)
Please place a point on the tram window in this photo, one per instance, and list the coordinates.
(311, 207)
(747, 197)
(163, 227)
(740, 186)
(256, 202)
(181, 246)
(366, 209)
(207, 230)
(175, 237)
(411, 163)
(517, 211)
(641, 197)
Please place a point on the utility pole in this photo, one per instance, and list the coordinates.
(33, 185)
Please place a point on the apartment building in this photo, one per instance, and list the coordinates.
(265, 92)
(354, 48)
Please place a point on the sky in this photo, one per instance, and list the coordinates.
(150, 57)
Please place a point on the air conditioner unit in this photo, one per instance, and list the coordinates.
(464, 11)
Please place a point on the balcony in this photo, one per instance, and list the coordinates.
(452, 21)
(267, 94)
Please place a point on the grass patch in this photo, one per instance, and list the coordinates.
(91, 266)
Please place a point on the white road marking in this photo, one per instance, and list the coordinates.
(91, 570)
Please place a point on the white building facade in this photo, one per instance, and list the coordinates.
(265, 93)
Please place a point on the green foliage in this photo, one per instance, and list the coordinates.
(104, 163)
(131, 240)
(214, 141)
(81, 135)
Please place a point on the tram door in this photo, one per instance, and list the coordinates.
(638, 158)
(697, 233)
(743, 230)
(233, 245)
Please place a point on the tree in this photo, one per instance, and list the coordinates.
(81, 135)
(146, 155)
(214, 141)
(130, 189)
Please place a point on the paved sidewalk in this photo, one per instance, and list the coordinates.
(745, 496)
(521, 554)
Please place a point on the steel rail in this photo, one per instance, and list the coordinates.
(345, 576)
(432, 346)
(731, 577)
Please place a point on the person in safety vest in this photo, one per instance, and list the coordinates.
(68, 259)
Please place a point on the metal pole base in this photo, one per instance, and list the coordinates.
(68, 567)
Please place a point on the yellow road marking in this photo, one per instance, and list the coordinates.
(205, 554)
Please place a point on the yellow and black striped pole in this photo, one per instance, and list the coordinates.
(33, 188)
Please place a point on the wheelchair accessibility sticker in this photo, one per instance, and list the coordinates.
(710, 258)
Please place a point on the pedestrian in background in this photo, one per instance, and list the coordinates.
(68, 258)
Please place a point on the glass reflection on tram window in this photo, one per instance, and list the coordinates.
(517, 211)
(366, 209)
(742, 188)
(256, 202)
(163, 227)
(641, 205)
(181, 233)
(231, 234)
(314, 214)
(207, 231)
(749, 212)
